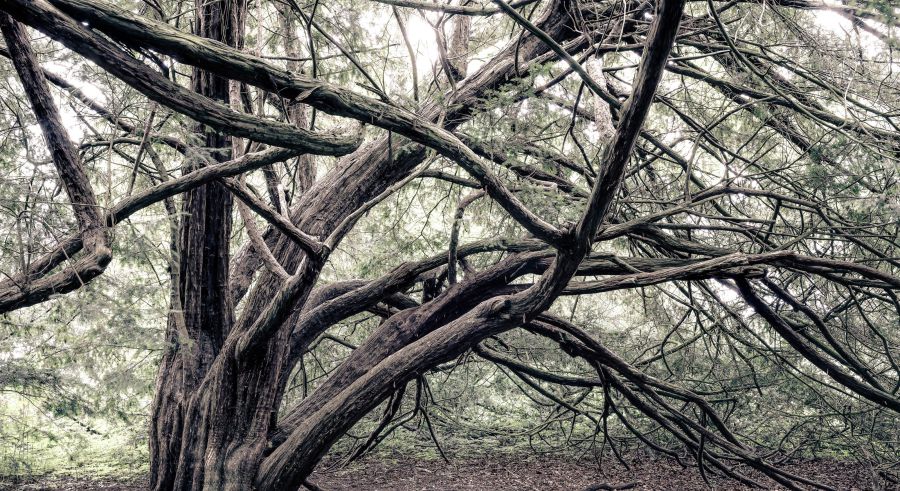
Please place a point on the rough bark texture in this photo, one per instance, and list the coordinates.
(222, 379)
(201, 310)
(32, 286)
(232, 414)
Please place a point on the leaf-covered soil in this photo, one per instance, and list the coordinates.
(504, 473)
(73, 483)
(546, 474)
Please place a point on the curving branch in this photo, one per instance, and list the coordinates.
(294, 459)
(36, 285)
(237, 65)
(156, 87)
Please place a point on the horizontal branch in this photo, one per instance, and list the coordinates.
(230, 63)
(452, 9)
(156, 87)
(71, 246)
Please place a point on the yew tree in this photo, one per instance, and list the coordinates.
(726, 169)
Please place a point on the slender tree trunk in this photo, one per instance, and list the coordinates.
(201, 312)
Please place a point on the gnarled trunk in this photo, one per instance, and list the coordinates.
(222, 379)
(213, 430)
(201, 312)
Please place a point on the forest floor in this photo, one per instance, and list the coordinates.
(546, 474)
(497, 473)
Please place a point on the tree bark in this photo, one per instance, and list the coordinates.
(201, 312)
(222, 379)
(34, 284)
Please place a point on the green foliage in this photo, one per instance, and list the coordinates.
(77, 373)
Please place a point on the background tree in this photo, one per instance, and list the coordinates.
(717, 182)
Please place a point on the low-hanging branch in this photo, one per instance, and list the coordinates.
(736, 196)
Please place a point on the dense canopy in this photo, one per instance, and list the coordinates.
(605, 225)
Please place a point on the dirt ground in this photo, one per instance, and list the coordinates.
(505, 473)
(546, 474)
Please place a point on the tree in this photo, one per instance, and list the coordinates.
(757, 201)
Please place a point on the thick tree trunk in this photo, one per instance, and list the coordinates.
(201, 312)
(222, 379)
(223, 426)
